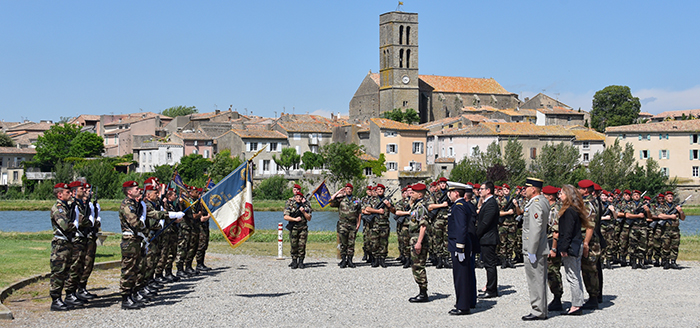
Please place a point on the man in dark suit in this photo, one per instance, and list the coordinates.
(461, 236)
(487, 232)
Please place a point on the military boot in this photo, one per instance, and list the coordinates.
(674, 265)
(408, 263)
(401, 258)
(58, 305)
(83, 293)
(73, 300)
(181, 273)
(504, 263)
(188, 269)
(155, 285)
(80, 296)
(203, 267)
(295, 264)
(634, 262)
(623, 262)
(375, 262)
(666, 265)
(642, 264)
(300, 264)
(141, 296)
(608, 264)
(657, 263)
(422, 296)
(364, 257)
(350, 263)
(439, 264)
(591, 304)
(161, 279)
(343, 262)
(382, 262)
(555, 304)
(446, 263)
(129, 304)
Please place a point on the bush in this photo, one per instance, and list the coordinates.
(273, 188)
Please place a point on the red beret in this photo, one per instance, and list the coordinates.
(627, 191)
(518, 187)
(505, 185)
(299, 193)
(297, 186)
(200, 189)
(470, 184)
(418, 187)
(191, 187)
(497, 187)
(61, 186)
(617, 191)
(87, 186)
(349, 185)
(442, 179)
(550, 190)
(597, 187)
(660, 195)
(585, 183)
(477, 186)
(75, 184)
(404, 189)
(636, 191)
(150, 187)
(433, 184)
(370, 188)
(131, 183)
(647, 197)
(171, 189)
(379, 185)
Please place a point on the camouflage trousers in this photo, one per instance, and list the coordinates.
(438, 243)
(61, 257)
(367, 238)
(507, 237)
(418, 267)
(131, 264)
(148, 265)
(404, 240)
(194, 245)
(607, 228)
(380, 240)
(625, 240)
(346, 235)
(670, 242)
(654, 242)
(554, 276)
(77, 264)
(203, 243)
(589, 268)
(167, 253)
(518, 247)
(187, 242)
(90, 251)
(637, 247)
(297, 241)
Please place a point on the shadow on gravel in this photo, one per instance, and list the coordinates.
(483, 305)
(438, 296)
(505, 290)
(607, 301)
(104, 301)
(315, 264)
(264, 295)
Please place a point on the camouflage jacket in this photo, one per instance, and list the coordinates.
(591, 209)
(663, 208)
(81, 218)
(553, 219)
(60, 220)
(128, 217)
(444, 212)
(189, 220)
(155, 219)
(348, 207)
(419, 217)
(502, 205)
(293, 209)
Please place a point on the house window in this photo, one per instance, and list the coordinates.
(266, 165)
(444, 168)
(391, 149)
(392, 166)
(368, 171)
(585, 157)
(15, 176)
(533, 153)
(450, 139)
(206, 153)
(194, 151)
(693, 137)
(648, 136)
(297, 136)
(586, 145)
(115, 140)
(663, 154)
(314, 149)
(169, 155)
(450, 152)
(693, 154)
(273, 146)
(696, 171)
(664, 170)
(390, 134)
(150, 157)
(624, 136)
(253, 146)
(209, 143)
(417, 147)
(643, 154)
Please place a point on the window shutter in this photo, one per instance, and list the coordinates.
(247, 146)
(691, 139)
(668, 154)
(640, 137)
(260, 167)
(268, 147)
(691, 154)
(640, 154)
(659, 154)
(387, 149)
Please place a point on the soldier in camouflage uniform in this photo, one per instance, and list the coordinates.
(607, 224)
(519, 206)
(671, 237)
(168, 237)
(133, 226)
(298, 215)
(380, 226)
(403, 208)
(186, 242)
(438, 243)
(348, 223)
(367, 227)
(93, 215)
(78, 209)
(203, 239)
(554, 259)
(196, 227)
(634, 230)
(61, 245)
(622, 238)
(155, 220)
(655, 231)
(591, 247)
(507, 229)
(418, 224)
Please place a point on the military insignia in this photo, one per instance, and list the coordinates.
(60, 210)
(536, 215)
(132, 208)
(537, 199)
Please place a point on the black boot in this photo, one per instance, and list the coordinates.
(504, 263)
(641, 264)
(161, 279)
(674, 265)
(422, 296)
(141, 297)
(58, 305)
(408, 263)
(375, 262)
(666, 265)
(80, 296)
(350, 263)
(633, 261)
(300, 264)
(202, 267)
(364, 257)
(84, 294)
(294, 264)
(657, 263)
(181, 272)
(73, 300)
(555, 305)
(129, 304)
(382, 262)
(401, 258)
(446, 263)
(623, 262)
(591, 304)
(155, 285)
(343, 262)
(191, 272)
(439, 264)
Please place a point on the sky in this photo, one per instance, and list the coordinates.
(66, 58)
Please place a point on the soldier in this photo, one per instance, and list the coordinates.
(196, 226)
(77, 208)
(635, 227)
(186, 238)
(93, 215)
(671, 238)
(623, 232)
(61, 245)
(298, 215)
(519, 211)
(591, 247)
(403, 211)
(418, 224)
(380, 226)
(655, 232)
(169, 242)
(441, 207)
(554, 259)
(204, 238)
(348, 223)
(507, 227)
(133, 226)
(607, 224)
(367, 227)
(401, 206)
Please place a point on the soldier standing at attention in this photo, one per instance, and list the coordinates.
(77, 209)
(169, 242)
(403, 211)
(400, 206)
(591, 247)
(204, 238)
(133, 227)
(61, 245)
(348, 223)
(507, 227)
(535, 248)
(554, 259)
(417, 226)
(380, 227)
(438, 243)
(186, 241)
(623, 232)
(671, 238)
(607, 225)
(93, 214)
(298, 214)
(367, 227)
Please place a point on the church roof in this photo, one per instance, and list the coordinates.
(458, 84)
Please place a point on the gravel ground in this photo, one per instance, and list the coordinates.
(264, 292)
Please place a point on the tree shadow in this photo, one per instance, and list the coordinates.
(264, 295)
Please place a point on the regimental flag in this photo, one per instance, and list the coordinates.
(230, 204)
(177, 180)
(322, 195)
(210, 184)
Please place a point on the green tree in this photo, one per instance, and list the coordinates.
(55, 144)
(86, 144)
(491, 157)
(649, 177)
(63, 172)
(271, 188)
(556, 163)
(467, 170)
(287, 159)
(378, 166)
(514, 162)
(312, 161)
(410, 116)
(611, 167)
(179, 111)
(5, 140)
(613, 106)
(193, 169)
(343, 161)
(100, 174)
(223, 165)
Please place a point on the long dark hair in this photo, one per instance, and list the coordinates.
(575, 201)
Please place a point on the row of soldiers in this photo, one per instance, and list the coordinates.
(159, 228)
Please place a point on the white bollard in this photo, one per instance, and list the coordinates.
(279, 241)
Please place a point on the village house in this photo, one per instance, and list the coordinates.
(11, 167)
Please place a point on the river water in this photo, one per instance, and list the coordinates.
(31, 221)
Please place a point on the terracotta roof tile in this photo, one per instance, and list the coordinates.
(666, 126)
(678, 113)
(444, 160)
(588, 135)
(31, 126)
(193, 135)
(458, 84)
(15, 150)
(384, 123)
(367, 157)
(507, 129)
(259, 134)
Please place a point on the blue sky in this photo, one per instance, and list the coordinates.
(63, 58)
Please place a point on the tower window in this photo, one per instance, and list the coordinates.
(401, 34)
(401, 58)
(408, 58)
(408, 34)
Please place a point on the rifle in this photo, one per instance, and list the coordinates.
(369, 218)
(432, 214)
(296, 212)
(673, 211)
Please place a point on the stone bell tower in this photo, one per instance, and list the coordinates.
(398, 61)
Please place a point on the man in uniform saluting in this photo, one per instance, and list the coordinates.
(348, 223)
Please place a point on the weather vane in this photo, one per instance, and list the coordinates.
(398, 8)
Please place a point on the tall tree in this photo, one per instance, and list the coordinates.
(311, 161)
(86, 144)
(193, 169)
(223, 164)
(5, 140)
(410, 116)
(491, 157)
(613, 106)
(556, 163)
(611, 167)
(467, 170)
(649, 177)
(55, 144)
(343, 161)
(287, 159)
(179, 111)
(514, 162)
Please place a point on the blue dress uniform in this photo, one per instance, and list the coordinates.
(461, 238)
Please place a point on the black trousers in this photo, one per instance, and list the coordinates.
(488, 255)
(464, 281)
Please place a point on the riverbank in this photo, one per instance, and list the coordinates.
(113, 205)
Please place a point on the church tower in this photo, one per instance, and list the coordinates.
(398, 61)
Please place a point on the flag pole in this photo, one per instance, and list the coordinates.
(256, 154)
